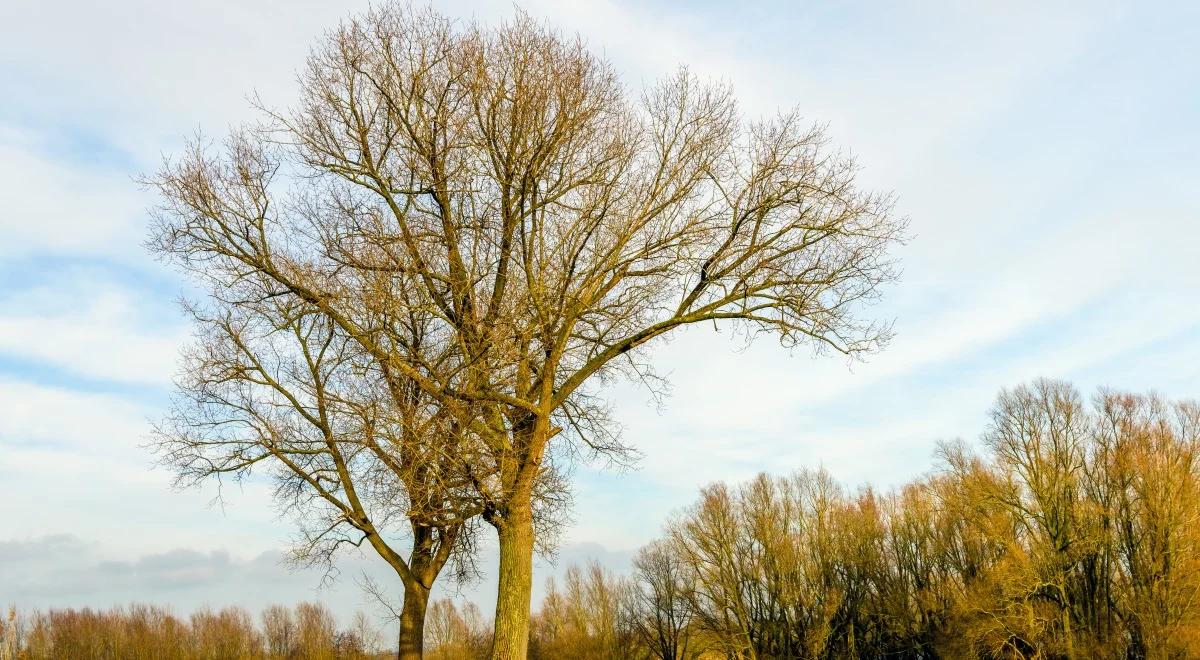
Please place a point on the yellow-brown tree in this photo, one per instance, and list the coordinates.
(489, 219)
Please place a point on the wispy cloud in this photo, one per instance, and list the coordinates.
(52, 205)
(80, 324)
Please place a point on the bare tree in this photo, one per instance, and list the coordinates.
(544, 224)
(1146, 463)
(590, 618)
(271, 384)
(456, 633)
(1038, 435)
(147, 632)
(664, 602)
(279, 630)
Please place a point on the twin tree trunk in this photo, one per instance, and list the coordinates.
(513, 599)
(412, 622)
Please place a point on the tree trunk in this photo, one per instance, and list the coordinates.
(412, 622)
(1068, 634)
(511, 638)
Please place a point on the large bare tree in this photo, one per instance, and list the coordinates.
(543, 222)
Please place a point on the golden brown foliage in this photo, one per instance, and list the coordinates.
(452, 633)
(1076, 535)
(588, 619)
(142, 632)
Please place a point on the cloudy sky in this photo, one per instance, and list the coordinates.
(1045, 153)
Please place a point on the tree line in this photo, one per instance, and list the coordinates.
(1074, 533)
(146, 632)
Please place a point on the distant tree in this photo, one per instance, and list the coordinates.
(664, 602)
(455, 633)
(146, 632)
(1038, 436)
(1073, 535)
(362, 636)
(1147, 463)
(590, 618)
(12, 634)
(226, 633)
(279, 631)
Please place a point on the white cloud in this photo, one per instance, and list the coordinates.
(69, 419)
(83, 325)
(51, 205)
(76, 462)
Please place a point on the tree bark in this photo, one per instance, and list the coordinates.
(411, 644)
(1068, 634)
(510, 640)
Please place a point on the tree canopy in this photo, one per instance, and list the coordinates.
(488, 221)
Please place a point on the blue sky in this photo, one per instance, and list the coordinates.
(1046, 154)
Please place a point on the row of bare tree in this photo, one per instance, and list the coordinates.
(1076, 534)
(144, 632)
